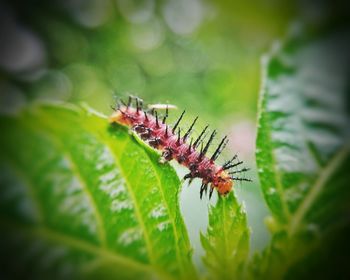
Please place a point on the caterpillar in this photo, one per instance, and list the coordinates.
(154, 130)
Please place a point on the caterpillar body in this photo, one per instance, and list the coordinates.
(167, 139)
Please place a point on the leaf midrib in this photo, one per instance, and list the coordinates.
(178, 257)
(135, 202)
(224, 227)
(324, 175)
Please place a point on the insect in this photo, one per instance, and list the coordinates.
(154, 130)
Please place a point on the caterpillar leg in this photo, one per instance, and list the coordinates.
(190, 181)
(139, 128)
(163, 160)
(154, 142)
(167, 155)
(183, 180)
(188, 176)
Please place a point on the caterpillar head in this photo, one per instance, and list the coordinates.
(120, 117)
(116, 117)
(223, 183)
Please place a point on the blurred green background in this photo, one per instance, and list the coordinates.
(201, 55)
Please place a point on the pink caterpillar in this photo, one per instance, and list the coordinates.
(168, 140)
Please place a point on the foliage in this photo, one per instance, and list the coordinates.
(83, 198)
(227, 240)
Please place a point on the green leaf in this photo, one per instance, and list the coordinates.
(226, 243)
(80, 197)
(303, 145)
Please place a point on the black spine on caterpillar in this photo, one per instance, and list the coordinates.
(168, 140)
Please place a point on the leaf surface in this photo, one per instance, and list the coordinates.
(82, 197)
(303, 145)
